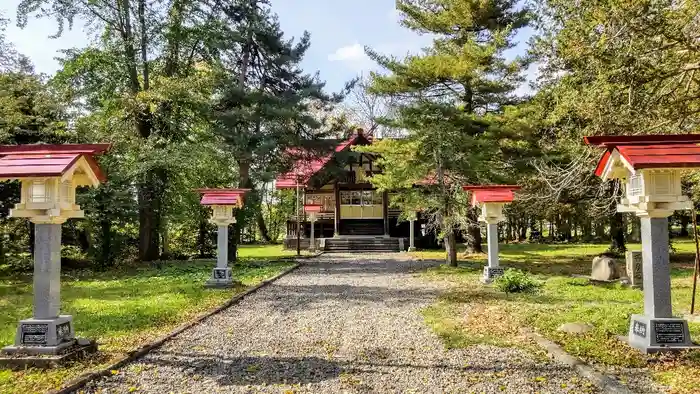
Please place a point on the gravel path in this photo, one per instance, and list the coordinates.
(342, 324)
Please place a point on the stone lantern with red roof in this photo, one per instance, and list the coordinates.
(49, 175)
(491, 199)
(222, 202)
(650, 168)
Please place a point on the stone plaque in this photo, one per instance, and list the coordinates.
(220, 274)
(639, 328)
(63, 331)
(34, 334)
(633, 267)
(669, 332)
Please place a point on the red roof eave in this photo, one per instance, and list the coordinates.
(87, 149)
(614, 140)
(492, 193)
(222, 196)
(305, 169)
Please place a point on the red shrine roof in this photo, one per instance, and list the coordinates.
(222, 196)
(42, 160)
(306, 167)
(491, 193)
(650, 151)
(312, 208)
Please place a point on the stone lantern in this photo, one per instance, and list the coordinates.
(223, 202)
(491, 199)
(412, 217)
(312, 210)
(650, 169)
(49, 175)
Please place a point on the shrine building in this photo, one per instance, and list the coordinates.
(353, 214)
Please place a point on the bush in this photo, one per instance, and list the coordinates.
(516, 281)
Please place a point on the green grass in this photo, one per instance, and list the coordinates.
(127, 307)
(476, 313)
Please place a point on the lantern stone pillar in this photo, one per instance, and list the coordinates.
(47, 332)
(412, 232)
(47, 199)
(493, 269)
(221, 275)
(657, 330)
(312, 241)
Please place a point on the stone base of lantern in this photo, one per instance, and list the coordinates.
(43, 343)
(491, 273)
(221, 278)
(20, 358)
(653, 335)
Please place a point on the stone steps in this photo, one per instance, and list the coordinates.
(341, 245)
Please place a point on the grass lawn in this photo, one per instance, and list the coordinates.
(476, 313)
(126, 307)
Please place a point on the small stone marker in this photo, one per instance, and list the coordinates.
(49, 175)
(650, 168)
(222, 201)
(633, 266)
(491, 199)
(576, 328)
(313, 210)
(604, 269)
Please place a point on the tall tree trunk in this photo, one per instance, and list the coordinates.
(523, 230)
(473, 239)
(262, 226)
(617, 233)
(451, 249)
(149, 237)
(165, 237)
(685, 221)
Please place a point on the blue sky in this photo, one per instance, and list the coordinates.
(339, 31)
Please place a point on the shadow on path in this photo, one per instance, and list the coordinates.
(249, 370)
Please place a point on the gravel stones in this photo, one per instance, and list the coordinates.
(341, 324)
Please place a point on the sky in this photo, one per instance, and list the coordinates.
(339, 31)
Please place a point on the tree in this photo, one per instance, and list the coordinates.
(149, 77)
(268, 104)
(366, 109)
(10, 59)
(450, 98)
(613, 67)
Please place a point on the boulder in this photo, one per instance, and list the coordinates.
(575, 328)
(604, 269)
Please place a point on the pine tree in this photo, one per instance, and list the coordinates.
(268, 104)
(452, 98)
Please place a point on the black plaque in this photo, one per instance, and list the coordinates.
(669, 332)
(63, 331)
(639, 329)
(34, 334)
(219, 274)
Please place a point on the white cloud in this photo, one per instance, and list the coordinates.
(354, 52)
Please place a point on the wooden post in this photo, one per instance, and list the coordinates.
(298, 223)
(385, 212)
(336, 224)
(697, 261)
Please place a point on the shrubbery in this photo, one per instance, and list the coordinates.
(516, 281)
